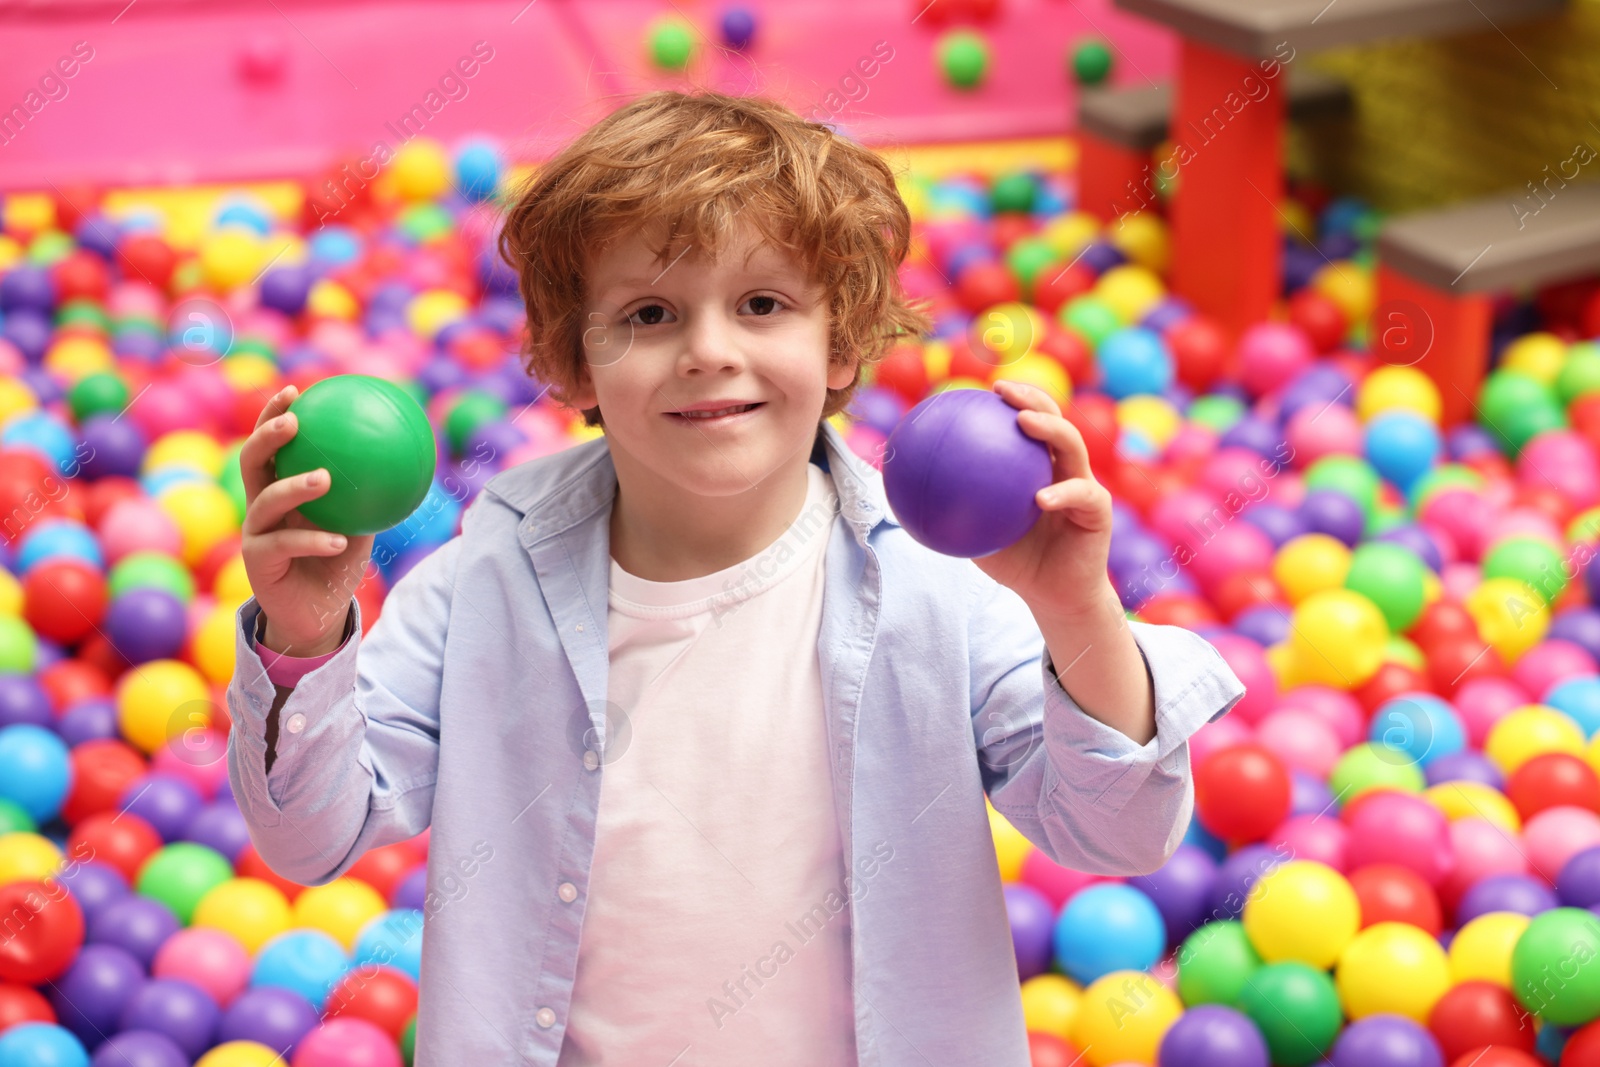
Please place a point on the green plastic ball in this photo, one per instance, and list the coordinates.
(1027, 258)
(232, 480)
(1553, 966)
(1384, 518)
(1091, 62)
(1444, 476)
(50, 247)
(100, 393)
(14, 819)
(470, 411)
(1580, 374)
(1214, 963)
(1297, 1010)
(1350, 475)
(1370, 766)
(963, 58)
(426, 222)
(1531, 560)
(151, 570)
(179, 874)
(408, 1040)
(1014, 192)
(83, 314)
(1217, 412)
(1514, 407)
(1090, 318)
(671, 44)
(1393, 578)
(19, 648)
(376, 446)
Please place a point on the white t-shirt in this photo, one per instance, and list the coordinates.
(717, 930)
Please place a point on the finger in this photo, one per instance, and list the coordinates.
(275, 502)
(1026, 397)
(1083, 500)
(1068, 450)
(258, 455)
(280, 546)
(277, 404)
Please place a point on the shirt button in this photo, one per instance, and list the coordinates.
(591, 759)
(579, 627)
(545, 1017)
(567, 892)
(296, 723)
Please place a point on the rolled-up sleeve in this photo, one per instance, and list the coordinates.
(1085, 792)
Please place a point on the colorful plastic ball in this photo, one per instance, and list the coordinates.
(1481, 950)
(41, 1045)
(1032, 922)
(64, 599)
(1090, 61)
(1180, 890)
(1276, 914)
(1393, 578)
(210, 959)
(204, 515)
(1391, 893)
(345, 1040)
(146, 624)
(1531, 731)
(1509, 891)
(306, 962)
(176, 1008)
(1392, 968)
(1399, 828)
(963, 57)
(478, 164)
(1529, 560)
(159, 701)
(1417, 727)
(35, 770)
(1385, 1041)
(1050, 1004)
(1134, 361)
(376, 445)
(1553, 780)
(180, 875)
(1271, 354)
(268, 1015)
(248, 910)
(153, 570)
(1549, 968)
(1555, 835)
(1338, 638)
(58, 539)
(241, 1054)
(1473, 1015)
(670, 41)
(383, 996)
(1123, 1017)
(1241, 793)
(1310, 563)
(1212, 1036)
(1107, 928)
(1578, 884)
(1296, 1009)
(139, 1048)
(44, 931)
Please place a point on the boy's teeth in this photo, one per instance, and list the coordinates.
(714, 414)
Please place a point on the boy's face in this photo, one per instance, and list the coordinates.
(745, 328)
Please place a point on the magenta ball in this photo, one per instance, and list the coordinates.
(1182, 517)
(1319, 836)
(1482, 702)
(1338, 709)
(1315, 431)
(1056, 882)
(1270, 354)
(138, 525)
(1249, 663)
(1302, 739)
(1234, 548)
(1390, 827)
(209, 958)
(1226, 732)
(1564, 461)
(1482, 850)
(345, 1041)
(1555, 835)
(962, 477)
(1549, 663)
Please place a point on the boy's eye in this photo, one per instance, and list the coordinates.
(650, 315)
(763, 305)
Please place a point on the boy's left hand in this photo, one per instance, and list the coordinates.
(1059, 566)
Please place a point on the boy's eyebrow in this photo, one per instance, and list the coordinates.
(643, 282)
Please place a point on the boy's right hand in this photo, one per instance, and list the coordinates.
(303, 576)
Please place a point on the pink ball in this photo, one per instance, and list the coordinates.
(209, 958)
(1564, 461)
(1270, 354)
(1481, 849)
(1524, 522)
(1215, 736)
(1459, 579)
(1240, 471)
(1555, 835)
(1316, 431)
(867, 443)
(165, 407)
(1192, 442)
(1461, 513)
(1235, 548)
(1449, 552)
(1392, 827)
(11, 358)
(1304, 740)
(1551, 662)
(1338, 709)
(376, 362)
(136, 298)
(1184, 517)
(138, 525)
(1482, 702)
(199, 756)
(1310, 837)
(346, 1041)
(205, 386)
(1056, 882)
(1249, 662)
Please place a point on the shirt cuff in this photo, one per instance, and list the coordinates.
(286, 671)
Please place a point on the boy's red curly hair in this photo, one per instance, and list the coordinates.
(693, 163)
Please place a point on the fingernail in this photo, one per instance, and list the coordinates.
(316, 477)
(335, 541)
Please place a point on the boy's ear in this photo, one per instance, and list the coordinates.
(840, 375)
(582, 396)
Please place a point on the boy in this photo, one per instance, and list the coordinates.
(790, 860)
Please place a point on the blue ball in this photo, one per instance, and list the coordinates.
(58, 538)
(46, 435)
(1134, 361)
(247, 213)
(35, 770)
(1579, 698)
(307, 962)
(1402, 446)
(393, 939)
(1416, 728)
(334, 246)
(1202, 838)
(41, 1045)
(1108, 927)
(478, 169)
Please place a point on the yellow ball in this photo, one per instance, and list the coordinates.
(1338, 637)
(1122, 1018)
(1302, 910)
(1395, 968)
(75, 356)
(185, 448)
(339, 909)
(1152, 417)
(1348, 285)
(1050, 1005)
(1010, 847)
(1041, 372)
(432, 311)
(421, 170)
(28, 213)
(212, 646)
(1481, 950)
(936, 360)
(1131, 291)
(1068, 234)
(1511, 615)
(1285, 668)
(157, 701)
(1005, 333)
(1310, 563)
(1142, 237)
(204, 514)
(11, 251)
(1298, 222)
(1538, 355)
(1474, 800)
(249, 910)
(240, 1054)
(232, 586)
(1531, 730)
(249, 371)
(1398, 388)
(330, 300)
(11, 598)
(15, 399)
(27, 857)
(231, 257)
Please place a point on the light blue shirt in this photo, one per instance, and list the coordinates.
(477, 706)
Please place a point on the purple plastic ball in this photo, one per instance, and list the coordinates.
(1099, 256)
(1578, 884)
(139, 1048)
(1266, 625)
(1259, 436)
(90, 997)
(1520, 893)
(1238, 873)
(412, 892)
(117, 447)
(1468, 440)
(1331, 512)
(1468, 765)
(1181, 890)
(93, 885)
(492, 442)
(285, 289)
(1581, 626)
(165, 801)
(1315, 387)
(177, 1008)
(961, 476)
(146, 624)
(1033, 923)
(27, 286)
(1385, 1041)
(269, 1015)
(88, 720)
(1211, 1035)
(138, 924)
(738, 28)
(1409, 535)
(221, 827)
(1308, 794)
(29, 330)
(1279, 523)
(23, 701)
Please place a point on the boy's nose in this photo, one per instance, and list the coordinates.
(710, 343)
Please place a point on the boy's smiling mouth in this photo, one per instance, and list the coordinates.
(716, 413)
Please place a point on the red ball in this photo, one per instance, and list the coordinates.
(105, 493)
(1321, 320)
(251, 865)
(1391, 680)
(64, 599)
(23, 1004)
(216, 557)
(81, 275)
(102, 771)
(1009, 227)
(44, 930)
(1551, 780)
(1095, 417)
(984, 284)
(118, 839)
(1047, 1050)
(384, 996)
(1243, 590)
(1498, 1056)
(385, 868)
(1241, 793)
(1475, 1014)
(903, 371)
(1547, 500)
(146, 256)
(1582, 1048)
(1060, 282)
(1067, 349)
(971, 361)
(68, 681)
(1177, 609)
(1443, 621)
(1453, 665)
(1391, 893)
